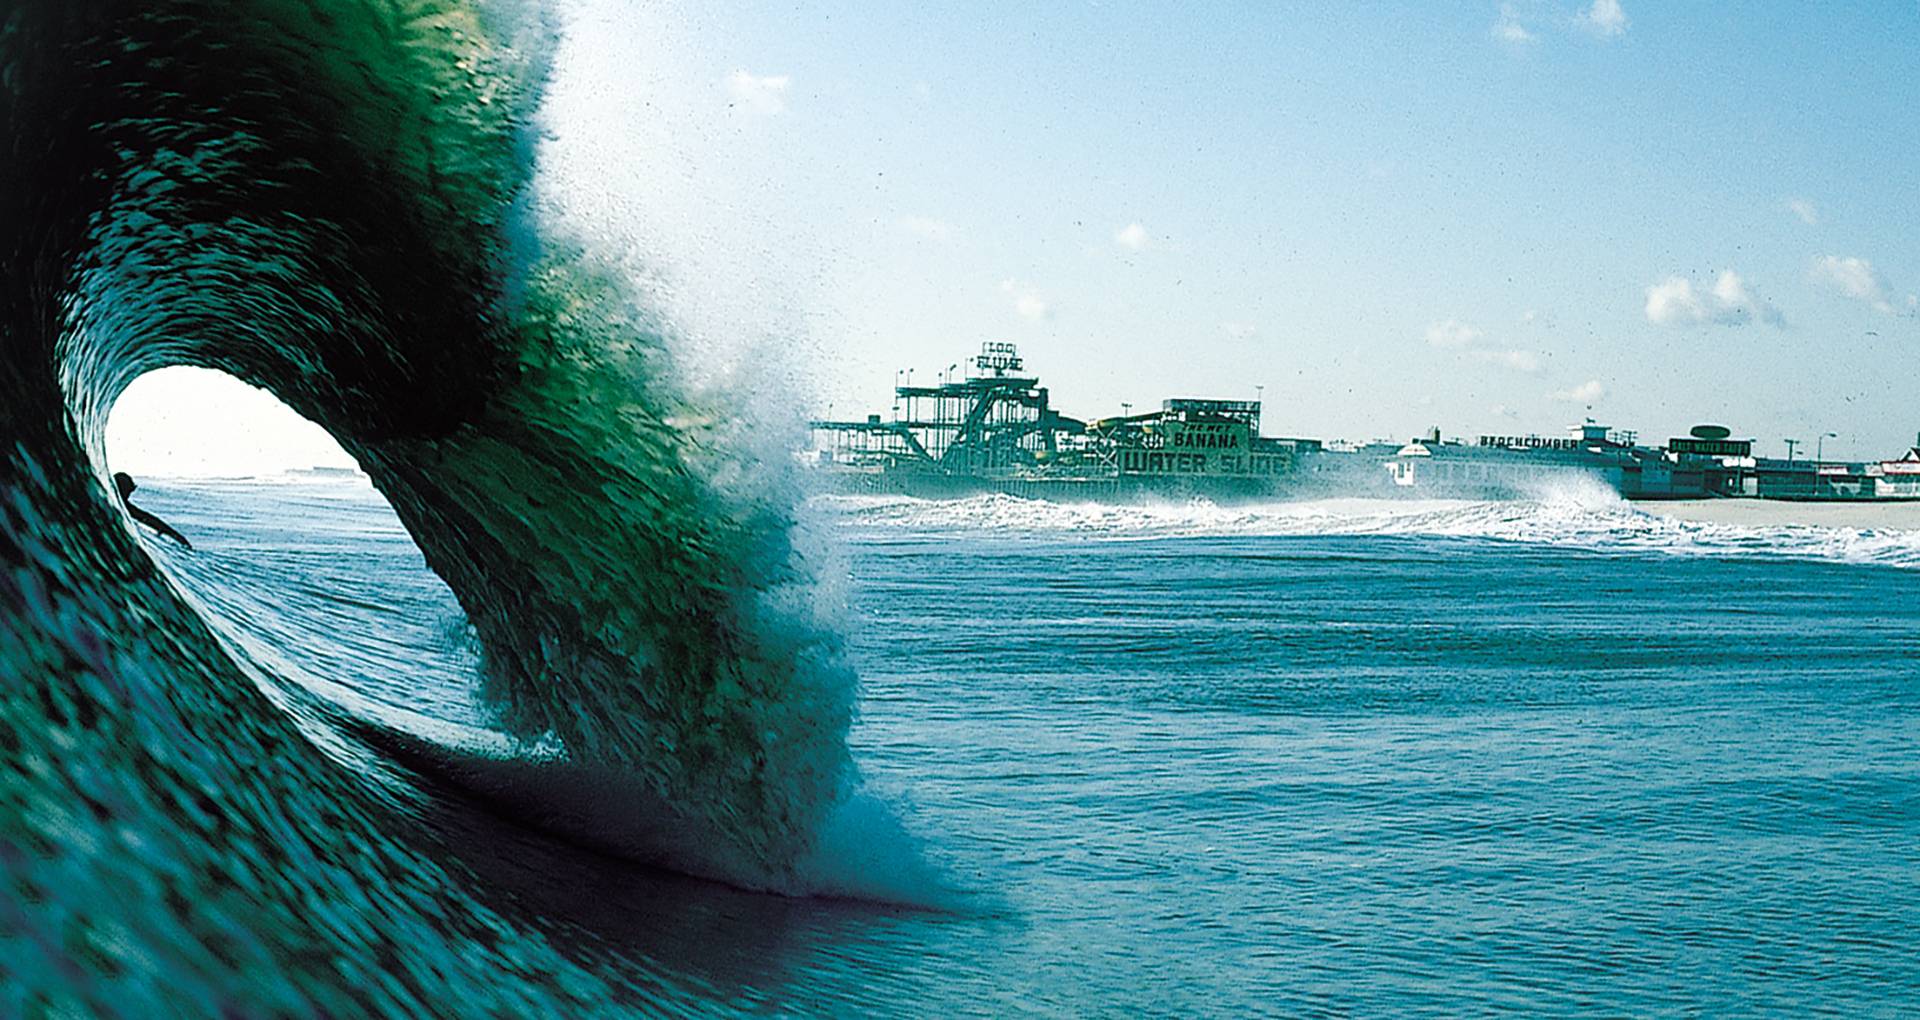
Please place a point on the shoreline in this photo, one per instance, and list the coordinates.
(1900, 516)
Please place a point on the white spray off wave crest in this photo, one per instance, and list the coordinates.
(634, 163)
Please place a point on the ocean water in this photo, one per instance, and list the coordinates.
(1342, 758)
(591, 716)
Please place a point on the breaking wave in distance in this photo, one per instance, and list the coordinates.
(1585, 518)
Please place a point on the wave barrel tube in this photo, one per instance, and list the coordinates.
(332, 201)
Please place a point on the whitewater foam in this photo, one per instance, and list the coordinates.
(1579, 520)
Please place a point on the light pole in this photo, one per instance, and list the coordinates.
(1791, 443)
(1820, 460)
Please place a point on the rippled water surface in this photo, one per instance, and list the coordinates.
(1558, 761)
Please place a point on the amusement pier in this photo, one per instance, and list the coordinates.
(995, 429)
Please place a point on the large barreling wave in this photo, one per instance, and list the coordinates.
(332, 201)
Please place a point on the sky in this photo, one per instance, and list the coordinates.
(1498, 217)
(186, 422)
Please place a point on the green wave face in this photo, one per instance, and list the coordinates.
(329, 200)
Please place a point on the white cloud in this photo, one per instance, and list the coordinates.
(761, 93)
(1503, 411)
(1508, 28)
(1589, 392)
(1672, 300)
(1238, 330)
(1804, 209)
(1133, 236)
(1026, 300)
(1455, 335)
(1736, 304)
(1452, 334)
(1729, 302)
(1856, 278)
(1519, 361)
(1729, 289)
(928, 227)
(1604, 18)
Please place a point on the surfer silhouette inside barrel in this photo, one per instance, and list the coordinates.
(124, 482)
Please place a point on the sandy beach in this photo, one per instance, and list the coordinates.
(1767, 513)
